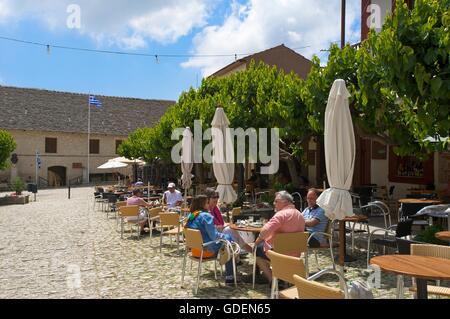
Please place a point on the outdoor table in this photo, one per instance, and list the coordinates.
(443, 235)
(343, 257)
(152, 198)
(435, 211)
(423, 268)
(410, 206)
(249, 229)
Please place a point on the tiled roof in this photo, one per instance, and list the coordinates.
(280, 56)
(34, 109)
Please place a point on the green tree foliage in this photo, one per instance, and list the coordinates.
(7, 146)
(399, 79)
(260, 97)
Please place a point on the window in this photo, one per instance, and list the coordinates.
(118, 143)
(51, 145)
(410, 170)
(94, 146)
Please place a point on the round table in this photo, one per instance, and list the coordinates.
(246, 228)
(423, 268)
(443, 235)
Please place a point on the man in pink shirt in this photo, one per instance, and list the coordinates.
(287, 219)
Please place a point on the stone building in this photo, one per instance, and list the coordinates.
(55, 124)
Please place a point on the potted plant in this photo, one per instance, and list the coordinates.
(18, 186)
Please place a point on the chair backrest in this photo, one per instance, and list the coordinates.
(128, 211)
(121, 204)
(154, 212)
(404, 246)
(298, 203)
(285, 267)
(431, 250)
(169, 219)
(193, 238)
(236, 211)
(291, 243)
(391, 190)
(383, 208)
(313, 290)
(404, 228)
(112, 198)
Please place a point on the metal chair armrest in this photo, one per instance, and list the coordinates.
(319, 233)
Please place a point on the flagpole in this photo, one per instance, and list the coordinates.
(89, 139)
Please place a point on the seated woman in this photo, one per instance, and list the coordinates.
(213, 198)
(202, 220)
(136, 200)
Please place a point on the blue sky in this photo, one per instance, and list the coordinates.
(155, 27)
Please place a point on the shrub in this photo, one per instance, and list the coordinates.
(18, 185)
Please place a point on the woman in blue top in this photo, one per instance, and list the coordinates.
(201, 219)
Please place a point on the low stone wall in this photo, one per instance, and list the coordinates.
(14, 200)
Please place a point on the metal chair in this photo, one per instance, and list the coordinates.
(284, 267)
(129, 211)
(330, 245)
(287, 243)
(194, 240)
(173, 222)
(402, 229)
(299, 203)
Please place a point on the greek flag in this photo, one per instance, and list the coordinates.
(94, 101)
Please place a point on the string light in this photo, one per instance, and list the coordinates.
(156, 56)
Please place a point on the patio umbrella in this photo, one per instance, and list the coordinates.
(223, 157)
(127, 161)
(339, 139)
(187, 161)
(111, 165)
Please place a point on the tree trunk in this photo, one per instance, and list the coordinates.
(293, 172)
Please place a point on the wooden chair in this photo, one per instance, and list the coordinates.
(153, 217)
(129, 211)
(309, 289)
(118, 205)
(194, 240)
(432, 251)
(284, 267)
(237, 211)
(287, 243)
(173, 223)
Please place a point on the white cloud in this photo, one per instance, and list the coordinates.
(126, 23)
(259, 25)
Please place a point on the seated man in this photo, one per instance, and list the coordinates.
(287, 219)
(202, 220)
(172, 197)
(315, 219)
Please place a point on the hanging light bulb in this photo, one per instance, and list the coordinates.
(48, 49)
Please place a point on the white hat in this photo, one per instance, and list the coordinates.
(171, 185)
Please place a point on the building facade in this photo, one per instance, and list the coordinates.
(55, 125)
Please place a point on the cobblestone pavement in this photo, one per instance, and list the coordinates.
(60, 248)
